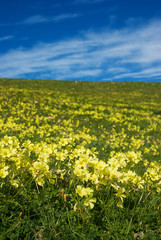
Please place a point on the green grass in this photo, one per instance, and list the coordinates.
(112, 114)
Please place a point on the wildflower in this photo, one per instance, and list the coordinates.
(90, 202)
(3, 171)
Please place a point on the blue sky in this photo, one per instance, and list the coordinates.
(93, 40)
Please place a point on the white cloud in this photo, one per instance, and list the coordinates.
(146, 73)
(41, 19)
(65, 16)
(117, 69)
(110, 54)
(81, 74)
(35, 19)
(6, 38)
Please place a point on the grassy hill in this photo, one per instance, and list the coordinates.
(80, 160)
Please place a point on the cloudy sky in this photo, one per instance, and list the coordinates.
(93, 40)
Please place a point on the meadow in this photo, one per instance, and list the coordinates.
(80, 160)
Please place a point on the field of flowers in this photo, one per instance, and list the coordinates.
(80, 160)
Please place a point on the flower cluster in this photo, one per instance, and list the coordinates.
(55, 136)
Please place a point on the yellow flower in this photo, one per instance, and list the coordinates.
(84, 191)
(6, 152)
(4, 172)
(80, 190)
(100, 165)
(90, 202)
